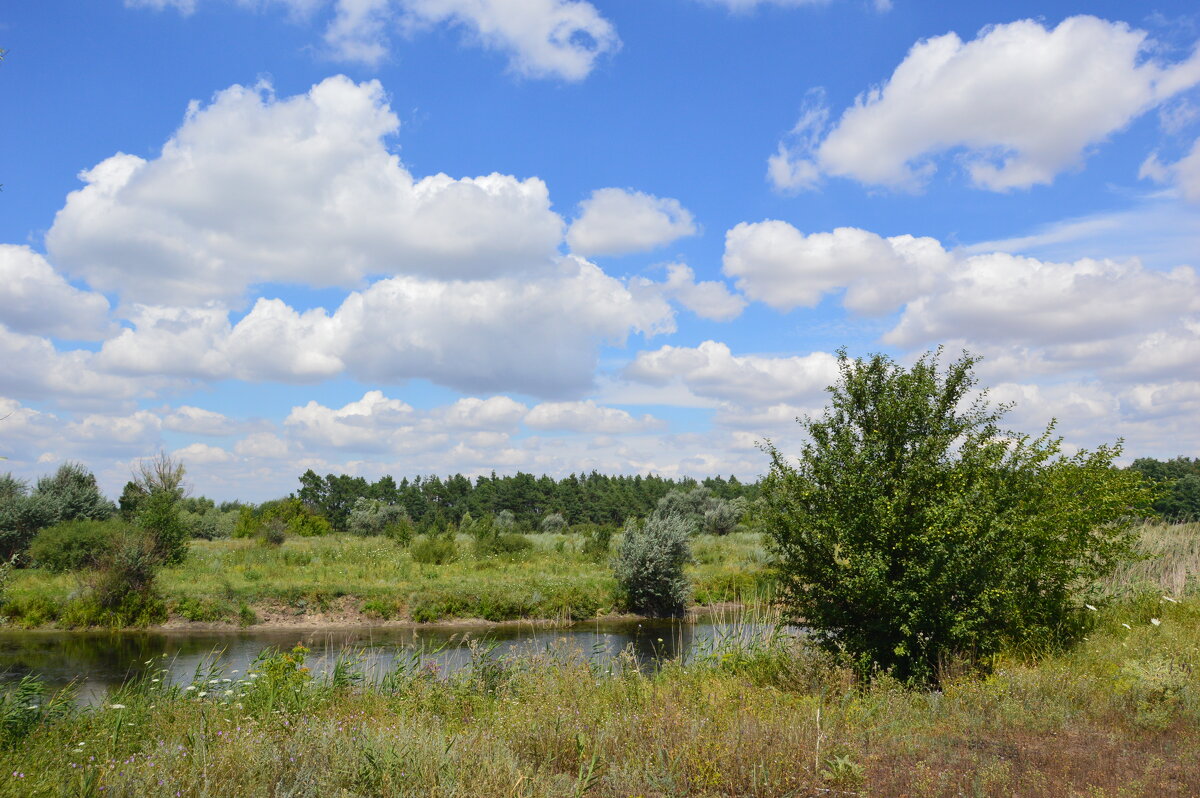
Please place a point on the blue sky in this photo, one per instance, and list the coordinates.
(415, 236)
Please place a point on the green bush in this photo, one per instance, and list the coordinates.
(649, 566)
(73, 545)
(297, 517)
(273, 532)
(502, 544)
(553, 523)
(433, 549)
(74, 490)
(597, 540)
(122, 586)
(914, 532)
(159, 515)
(375, 517)
(22, 515)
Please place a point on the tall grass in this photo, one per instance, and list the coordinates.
(761, 715)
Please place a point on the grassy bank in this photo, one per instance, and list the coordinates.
(1119, 716)
(342, 578)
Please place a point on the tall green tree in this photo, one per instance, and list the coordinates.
(912, 529)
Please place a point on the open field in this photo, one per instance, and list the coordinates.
(349, 579)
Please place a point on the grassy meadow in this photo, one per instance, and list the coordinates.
(347, 579)
(1119, 715)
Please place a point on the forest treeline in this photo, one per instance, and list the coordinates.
(434, 503)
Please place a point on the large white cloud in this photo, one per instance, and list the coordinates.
(1021, 102)
(537, 336)
(253, 189)
(614, 221)
(34, 298)
(775, 263)
(712, 370)
(1092, 313)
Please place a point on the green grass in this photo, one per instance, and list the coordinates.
(344, 577)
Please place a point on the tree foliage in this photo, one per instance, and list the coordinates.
(649, 566)
(912, 530)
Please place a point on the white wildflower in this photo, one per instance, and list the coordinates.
(1156, 621)
(116, 706)
(1090, 607)
(1168, 598)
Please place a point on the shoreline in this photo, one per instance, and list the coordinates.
(348, 622)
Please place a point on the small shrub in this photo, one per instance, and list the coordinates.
(553, 523)
(649, 566)
(122, 587)
(74, 490)
(160, 517)
(502, 544)
(273, 532)
(73, 545)
(433, 549)
(375, 517)
(22, 515)
(597, 540)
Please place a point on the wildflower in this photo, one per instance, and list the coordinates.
(1156, 621)
(203, 693)
(1168, 598)
(1090, 607)
(190, 687)
(1127, 626)
(116, 706)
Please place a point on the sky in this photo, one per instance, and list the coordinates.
(462, 236)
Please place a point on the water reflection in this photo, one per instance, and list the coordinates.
(94, 661)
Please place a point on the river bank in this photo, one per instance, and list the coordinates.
(761, 715)
(343, 580)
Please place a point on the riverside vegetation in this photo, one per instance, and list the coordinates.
(986, 616)
(761, 714)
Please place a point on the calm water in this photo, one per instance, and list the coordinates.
(94, 661)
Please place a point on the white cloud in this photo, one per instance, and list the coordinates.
(252, 188)
(775, 263)
(36, 299)
(587, 417)
(263, 446)
(198, 421)
(1002, 297)
(1184, 173)
(616, 222)
(201, 454)
(708, 299)
(1021, 102)
(542, 38)
(537, 336)
(712, 370)
(494, 413)
(35, 369)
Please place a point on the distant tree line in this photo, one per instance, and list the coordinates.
(434, 503)
(1178, 485)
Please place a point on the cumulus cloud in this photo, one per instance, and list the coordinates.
(775, 263)
(34, 298)
(587, 417)
(538, 336)
(708, 299)
(35, 369)
(541, 38)
(1082, 312)
(615, 221)
(198, 421)
(1021, 103)
(1000, 297)
(712, 370)
(201, 454)
(253, 188)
